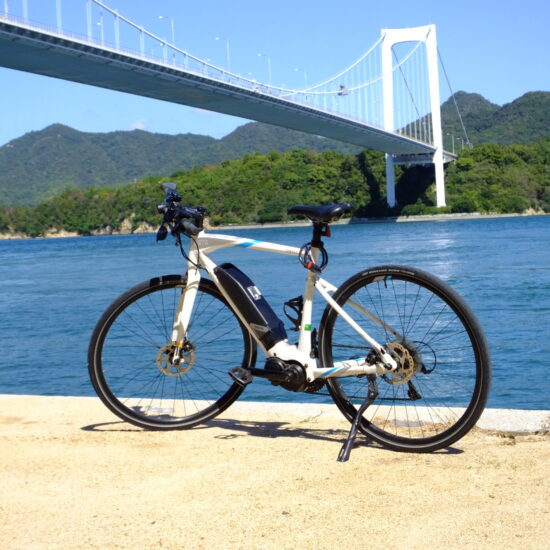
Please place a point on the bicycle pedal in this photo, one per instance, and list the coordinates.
(243, 377)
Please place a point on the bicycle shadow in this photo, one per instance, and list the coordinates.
(103, 427)
(267, 430)
(260, 429)
(273, 430)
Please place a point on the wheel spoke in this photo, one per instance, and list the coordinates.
(131, 364)
(442, 394)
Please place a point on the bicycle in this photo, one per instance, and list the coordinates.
(399, 351)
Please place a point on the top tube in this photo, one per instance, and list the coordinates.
(210, 242)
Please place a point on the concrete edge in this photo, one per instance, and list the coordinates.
(509, 421)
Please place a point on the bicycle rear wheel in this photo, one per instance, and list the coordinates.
(441, 387)
(130, 364)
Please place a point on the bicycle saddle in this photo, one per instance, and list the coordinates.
(324, 214)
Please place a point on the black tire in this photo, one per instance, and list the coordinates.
(132, 375)
(440, 394)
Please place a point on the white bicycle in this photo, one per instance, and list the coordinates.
(398, 350)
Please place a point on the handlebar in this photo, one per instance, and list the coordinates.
(190, 228)
(180, 219)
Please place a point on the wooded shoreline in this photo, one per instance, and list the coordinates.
(150, 230)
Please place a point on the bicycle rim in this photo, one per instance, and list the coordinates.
(130, 349)
(442, 387)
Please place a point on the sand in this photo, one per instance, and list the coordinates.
(257, 477)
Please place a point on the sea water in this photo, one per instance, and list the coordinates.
(54, 290)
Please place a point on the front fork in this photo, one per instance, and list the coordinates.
(183, 312)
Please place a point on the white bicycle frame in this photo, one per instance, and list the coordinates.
(206, 243)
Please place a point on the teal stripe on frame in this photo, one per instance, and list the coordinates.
(325, 374)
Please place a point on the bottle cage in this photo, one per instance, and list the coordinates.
(293, 310)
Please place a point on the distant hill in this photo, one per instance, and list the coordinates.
(43, 164)
(523, 121)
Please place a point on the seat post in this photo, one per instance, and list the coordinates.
(313, 255)
(320, 229)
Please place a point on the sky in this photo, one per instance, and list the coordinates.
(499, 49)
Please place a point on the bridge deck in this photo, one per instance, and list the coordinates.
(30, 49)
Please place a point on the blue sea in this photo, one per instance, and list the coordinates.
(54, 290)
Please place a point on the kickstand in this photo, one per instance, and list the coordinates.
(345, 451)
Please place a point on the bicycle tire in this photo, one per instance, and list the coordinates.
(127, 356)
(442, 389)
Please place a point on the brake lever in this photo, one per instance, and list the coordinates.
(162, 233)
(167, 211)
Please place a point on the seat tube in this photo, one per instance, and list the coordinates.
(304, 343)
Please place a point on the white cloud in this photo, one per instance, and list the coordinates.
(140, 124)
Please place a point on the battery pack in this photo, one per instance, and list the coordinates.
(263, 321)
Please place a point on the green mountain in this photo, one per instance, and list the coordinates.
(523, 121)
(43, 164)
(476, 113)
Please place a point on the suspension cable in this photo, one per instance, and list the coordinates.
(399, 65)
(454, 99)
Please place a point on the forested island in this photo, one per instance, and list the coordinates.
(259, 187)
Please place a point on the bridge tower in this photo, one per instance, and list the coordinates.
(391, 37)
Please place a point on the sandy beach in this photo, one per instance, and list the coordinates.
(261, 476)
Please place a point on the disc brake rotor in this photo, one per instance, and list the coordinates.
(171, 365)
(406, 364)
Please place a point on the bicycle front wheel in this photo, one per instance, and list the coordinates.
(441, 386)
(130, 356)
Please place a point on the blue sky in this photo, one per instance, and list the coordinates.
(499, 49)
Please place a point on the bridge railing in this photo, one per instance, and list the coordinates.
(104, 27)
(356, 93)
(327, 96)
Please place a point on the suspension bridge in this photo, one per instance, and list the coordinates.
(382, 101)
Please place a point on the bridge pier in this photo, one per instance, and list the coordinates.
(427, 35)
(439, 178)
(390, 181)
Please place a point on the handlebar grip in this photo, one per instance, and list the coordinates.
(189, 228)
